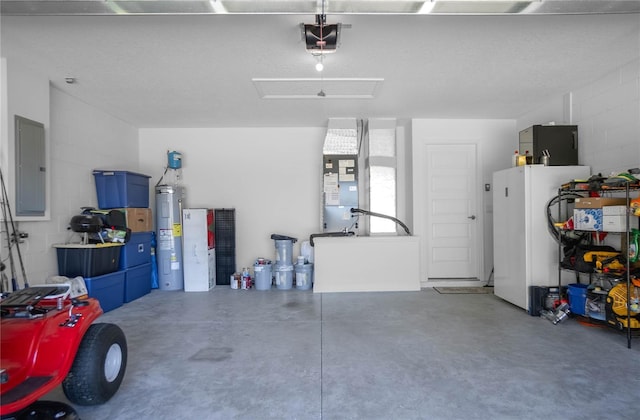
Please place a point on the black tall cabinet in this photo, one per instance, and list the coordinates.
(225, 239)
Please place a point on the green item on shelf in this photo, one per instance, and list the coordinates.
(634, 240)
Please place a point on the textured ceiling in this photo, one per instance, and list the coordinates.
(159, 7)
(200, 70)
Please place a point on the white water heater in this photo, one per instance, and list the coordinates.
(169, 203)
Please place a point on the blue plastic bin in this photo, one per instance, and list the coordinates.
(137, 282)
(108, 289)
(136, 251)
(117, 189)
(578, 298)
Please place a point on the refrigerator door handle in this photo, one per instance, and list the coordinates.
(195, 251)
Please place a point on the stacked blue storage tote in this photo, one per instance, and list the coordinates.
(129, 193)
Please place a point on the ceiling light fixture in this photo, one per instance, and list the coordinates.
(427, 7)
(320, 64)
(218, 7)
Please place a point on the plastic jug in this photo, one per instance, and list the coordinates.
(634, 239)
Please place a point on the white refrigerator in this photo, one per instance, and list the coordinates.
(524, 251)
(198, 249)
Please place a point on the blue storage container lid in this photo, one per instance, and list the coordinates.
(105, 172)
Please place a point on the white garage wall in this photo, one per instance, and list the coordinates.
(25, 93)
(607, 112)
(81, 138)
(271, 176)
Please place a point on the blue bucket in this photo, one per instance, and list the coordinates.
(578, 298)
(175, 160)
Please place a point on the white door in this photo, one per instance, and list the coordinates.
(450, 213)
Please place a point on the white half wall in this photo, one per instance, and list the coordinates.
(271, 176)
(366, 264)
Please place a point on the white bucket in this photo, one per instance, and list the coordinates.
(284, 276)
(262, 276)
(284, 252)
(304, 276)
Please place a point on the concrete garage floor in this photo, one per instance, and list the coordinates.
(235, 354)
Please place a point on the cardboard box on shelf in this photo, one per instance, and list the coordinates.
(599, 220)
(614, 223)
(614, 210)
(614, 219)
(138, 219)
(598, 202)
(587, 219)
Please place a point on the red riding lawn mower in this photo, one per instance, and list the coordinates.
(48, 339)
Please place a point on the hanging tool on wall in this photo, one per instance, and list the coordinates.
(12, 237)
(14, 281)
(4, 281)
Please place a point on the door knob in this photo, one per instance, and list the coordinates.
(472, 217)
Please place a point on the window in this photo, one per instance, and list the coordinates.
(381, 170)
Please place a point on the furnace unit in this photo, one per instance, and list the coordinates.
(340, 191)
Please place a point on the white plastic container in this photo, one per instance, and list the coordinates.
(284, 252)
(304, 276)
(262, 276)
(306, 250)
(284, 276)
